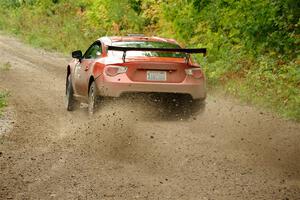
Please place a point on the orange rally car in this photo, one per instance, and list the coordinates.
(112, 66)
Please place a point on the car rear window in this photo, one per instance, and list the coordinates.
(147, 44)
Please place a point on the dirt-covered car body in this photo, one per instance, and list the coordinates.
(117, 65)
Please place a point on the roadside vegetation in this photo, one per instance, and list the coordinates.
(253, 46)
(3, 100)
(5, 66)
(3, 94)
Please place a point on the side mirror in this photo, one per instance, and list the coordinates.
(77, 54)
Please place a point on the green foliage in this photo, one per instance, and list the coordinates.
(3, 99)
(10, 3)
(5, 66)
(271, 83)
(253, 45)
(114, 17)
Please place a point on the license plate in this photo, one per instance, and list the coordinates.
(156, 76)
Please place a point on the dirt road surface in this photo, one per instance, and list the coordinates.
(134, 148)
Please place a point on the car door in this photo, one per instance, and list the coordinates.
(82, 72)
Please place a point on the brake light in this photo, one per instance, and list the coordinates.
(115, 70)
(195, 72)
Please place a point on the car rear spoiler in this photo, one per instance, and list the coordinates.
(187, 51)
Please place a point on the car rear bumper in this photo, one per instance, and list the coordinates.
(116, 86)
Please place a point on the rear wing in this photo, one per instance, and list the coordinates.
(187, 51)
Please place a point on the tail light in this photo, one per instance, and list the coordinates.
(195, 72)
(115, 70)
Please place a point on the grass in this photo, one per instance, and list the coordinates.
(3, 94)
(270, 86)
(5, 66)
(3, 100)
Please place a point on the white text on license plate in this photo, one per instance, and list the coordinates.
(156, 76)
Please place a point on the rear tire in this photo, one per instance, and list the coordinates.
(92, 98)
(197, 105)
(69, 99)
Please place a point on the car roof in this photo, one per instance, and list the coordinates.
(109, 40)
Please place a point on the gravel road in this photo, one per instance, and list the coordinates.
(133, 147)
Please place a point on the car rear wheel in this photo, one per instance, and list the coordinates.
(197, 105)
(92, 98)
(69, 99)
